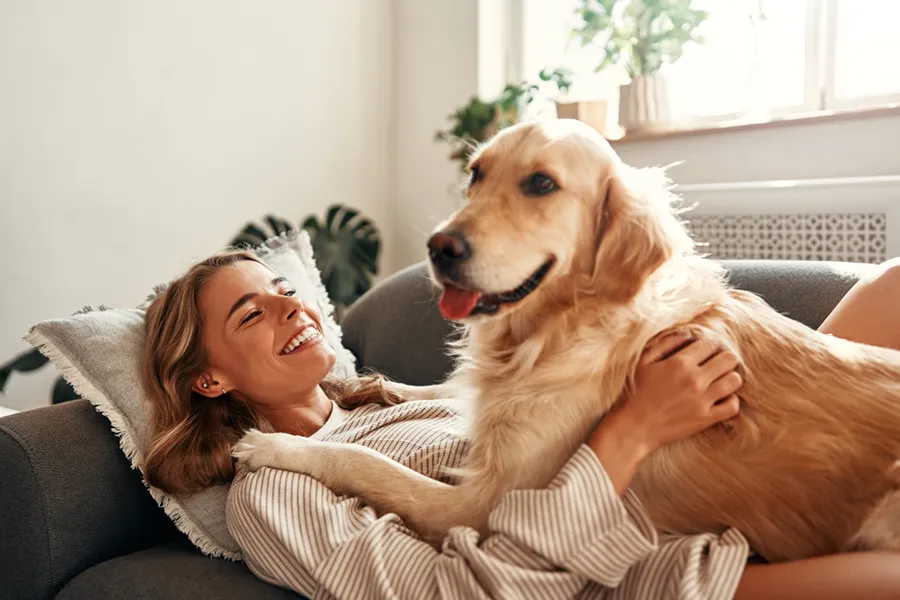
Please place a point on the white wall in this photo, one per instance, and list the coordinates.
(136, 137)
(436, 67)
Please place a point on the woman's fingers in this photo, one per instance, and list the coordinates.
(726, 409)
(665, 345)
(725, 386)
(699, 351)
(720, 364)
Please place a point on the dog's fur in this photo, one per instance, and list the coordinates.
(807, 468)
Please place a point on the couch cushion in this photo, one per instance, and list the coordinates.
(803, 290)
(396, 328)
(175, 570)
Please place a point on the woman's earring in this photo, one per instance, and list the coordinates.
(223, 391)
(205, 385)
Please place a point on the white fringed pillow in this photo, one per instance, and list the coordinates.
(98, 352)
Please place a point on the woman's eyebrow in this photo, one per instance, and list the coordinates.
(249, 296)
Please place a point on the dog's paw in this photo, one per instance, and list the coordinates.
(257, 449)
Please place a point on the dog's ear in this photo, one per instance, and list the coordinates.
(636, 232)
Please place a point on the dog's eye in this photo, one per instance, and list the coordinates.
(475, 176)
(539, 185)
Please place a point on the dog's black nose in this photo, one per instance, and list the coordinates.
(448, 249)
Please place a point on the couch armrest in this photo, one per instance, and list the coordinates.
(68, 499)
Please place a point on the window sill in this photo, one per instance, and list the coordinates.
(824, 116)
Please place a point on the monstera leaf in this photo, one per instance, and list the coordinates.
(23, 363)
(33, 360)
(346, 247)
(252, 235)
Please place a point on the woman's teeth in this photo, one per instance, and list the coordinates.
(310, 333)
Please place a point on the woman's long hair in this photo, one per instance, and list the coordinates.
(192, 435)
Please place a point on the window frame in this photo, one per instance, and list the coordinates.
(820, 61)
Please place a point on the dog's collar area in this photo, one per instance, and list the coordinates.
(489, 304)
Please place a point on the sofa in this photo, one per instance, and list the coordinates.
(77, 523)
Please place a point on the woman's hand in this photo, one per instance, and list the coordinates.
(682, 386)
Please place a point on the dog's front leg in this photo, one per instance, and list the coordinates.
(425, 505)
(420, 392)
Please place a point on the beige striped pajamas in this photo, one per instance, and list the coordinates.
(575, 539)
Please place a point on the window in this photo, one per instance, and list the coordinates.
(801, 56)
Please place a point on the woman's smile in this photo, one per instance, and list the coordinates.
(307, 337)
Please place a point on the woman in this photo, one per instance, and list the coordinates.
(230, 347)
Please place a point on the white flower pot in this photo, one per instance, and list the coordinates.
(590, 112)
(644, 103)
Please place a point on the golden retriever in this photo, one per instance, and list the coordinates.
(564, 264)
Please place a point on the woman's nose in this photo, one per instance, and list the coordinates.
(293, 308)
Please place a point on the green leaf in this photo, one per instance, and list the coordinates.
(253, 235)
(642, 34)
(331, 218)
(250, 235)
(278, 224)
(311, 224)
(22, 363)
(346, 248)
(348, 215)
(62, 392)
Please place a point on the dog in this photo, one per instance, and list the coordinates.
(563, 265)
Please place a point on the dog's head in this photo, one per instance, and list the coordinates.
(552, 209)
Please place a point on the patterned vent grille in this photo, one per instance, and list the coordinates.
(839, 237)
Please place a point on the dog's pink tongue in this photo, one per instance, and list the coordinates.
(457, 303)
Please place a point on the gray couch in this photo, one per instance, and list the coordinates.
(76, 522)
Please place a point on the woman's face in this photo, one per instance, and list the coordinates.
(261, 340)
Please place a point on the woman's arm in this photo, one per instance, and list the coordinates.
(869, 575)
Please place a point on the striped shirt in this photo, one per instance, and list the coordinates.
(575, 539)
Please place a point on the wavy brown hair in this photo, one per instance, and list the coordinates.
(191, 434)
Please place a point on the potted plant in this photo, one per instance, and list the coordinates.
(590, 112)
(478, 120)
(642, 36)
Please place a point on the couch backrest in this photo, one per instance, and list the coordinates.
(396, 328)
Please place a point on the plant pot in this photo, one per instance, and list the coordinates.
(644, 103)
(591, 112)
